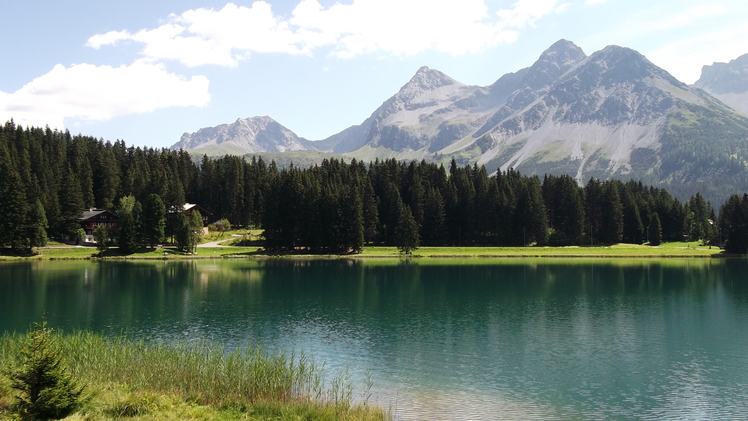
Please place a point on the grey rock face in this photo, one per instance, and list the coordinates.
(610, 114)
(254, 134)
(724, 78)
(728, 82)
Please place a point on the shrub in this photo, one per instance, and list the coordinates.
(44, 389)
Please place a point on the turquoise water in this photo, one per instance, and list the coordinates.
(442, 338)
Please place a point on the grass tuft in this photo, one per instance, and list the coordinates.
(201, 380)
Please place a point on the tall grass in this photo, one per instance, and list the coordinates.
(202, 373)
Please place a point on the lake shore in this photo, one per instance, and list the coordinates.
(666, 250)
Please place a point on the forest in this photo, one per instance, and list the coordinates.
(49, 177)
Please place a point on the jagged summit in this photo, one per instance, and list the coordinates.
(724, 78)
(610, 114)
(248, 135)
(728, 82)
(621, 65)
(428, 79)
(554, 62)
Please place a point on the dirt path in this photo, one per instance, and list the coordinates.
(218, 243)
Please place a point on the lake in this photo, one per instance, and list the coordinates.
(445, 338)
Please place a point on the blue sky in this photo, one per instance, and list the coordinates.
(148, 71)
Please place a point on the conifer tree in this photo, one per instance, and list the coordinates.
(655, 230)
(128, 224)
(370, 212)
(352, 213)
(611, 215)
(101, 237)
(45, 389)
(734, 218)
(37, 226)
(153, 220)
(71, 205)
(434, 219)
(13, 205)
(195, 223)
(406, 232)
(633, 227)
(183, 233)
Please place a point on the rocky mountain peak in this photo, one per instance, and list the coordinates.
(725, 78)
(562, 54)
(427, 79)
(618, 65)
(554, 62)
(245, 135)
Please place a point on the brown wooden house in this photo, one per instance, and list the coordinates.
(92, 218)
(191, 207)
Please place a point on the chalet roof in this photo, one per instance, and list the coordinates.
(188, 206)
(91, 213)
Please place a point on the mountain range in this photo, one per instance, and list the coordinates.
(612, 114)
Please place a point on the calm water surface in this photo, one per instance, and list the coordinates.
(444, 338)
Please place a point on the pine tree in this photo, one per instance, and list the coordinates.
(153, 220)
(101, 237)
(128, 224)
(406, 232)
(71, 205)
(735, 223)
(655, 230)
(611, 215)
(45, 389)
(37, 226)
(183, 233)
(13, 205)
(434, 219)
(195, 224)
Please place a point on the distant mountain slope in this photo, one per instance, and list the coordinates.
(433, 111)
(728, 82)
(250, 135)
(610, 114)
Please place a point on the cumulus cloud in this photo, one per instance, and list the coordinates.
(685, 58)
(93, 92)
(206, 36)
(404, 27)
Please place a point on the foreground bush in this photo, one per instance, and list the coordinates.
(43, 388)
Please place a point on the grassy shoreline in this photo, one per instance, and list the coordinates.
(151, 381)
(666, 250)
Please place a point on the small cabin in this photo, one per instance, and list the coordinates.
(191, 207)
(92, 218)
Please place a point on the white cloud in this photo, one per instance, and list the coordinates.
(206, 36)
(595, 1)
(689, 16)
(684, 58)
(526, 12)
(99, 93)
(403, 27)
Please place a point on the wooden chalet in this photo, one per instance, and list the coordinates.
(92, 218)
(191, 207)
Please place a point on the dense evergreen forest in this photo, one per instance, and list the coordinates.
(48, 177)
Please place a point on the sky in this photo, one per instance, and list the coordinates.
(147, 71)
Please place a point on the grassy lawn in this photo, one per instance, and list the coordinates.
(676, 249)
(679, 249)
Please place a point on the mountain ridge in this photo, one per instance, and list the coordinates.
(610, 114)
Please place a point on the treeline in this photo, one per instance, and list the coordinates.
(49, 176)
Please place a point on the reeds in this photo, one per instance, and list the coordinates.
(201, 373)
